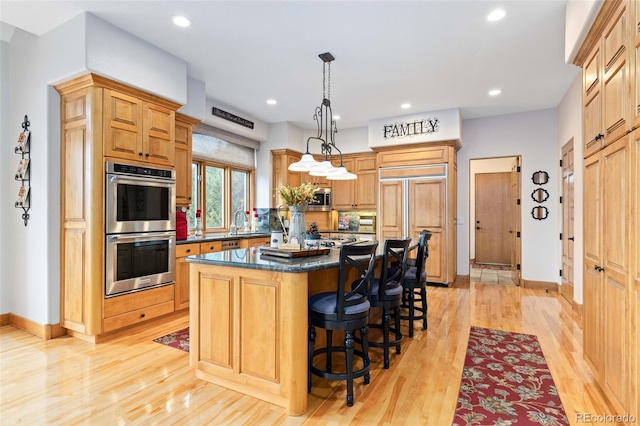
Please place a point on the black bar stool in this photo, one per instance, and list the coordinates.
(346, 311)
(415, 284)
(386, 293)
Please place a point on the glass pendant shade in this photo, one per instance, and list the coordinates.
(341, 173)
(306, 163)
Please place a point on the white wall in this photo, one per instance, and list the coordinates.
(492, 165)
(196, 100)
(260, 131)
(5, 177)
(570, 127)
(580, 14)
(533, 136)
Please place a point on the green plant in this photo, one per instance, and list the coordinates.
(295, 196)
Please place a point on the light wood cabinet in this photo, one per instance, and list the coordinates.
(210, 247)
(183, 155)
(281, 175)
(421, 195)
(361, 193)
(100, 119)
(138, 130)
(591, 76)
(134, 308)
(611, 284)
(255, 242)
(182, 273)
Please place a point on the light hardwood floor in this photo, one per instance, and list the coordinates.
(133, 380)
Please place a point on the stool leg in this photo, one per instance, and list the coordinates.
(396, 312)
(423, 296)
(385, 336)
(364, 333)
(349, 344)
(412, 300)
(329, 349)
(312, 341)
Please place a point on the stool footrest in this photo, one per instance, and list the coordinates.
(332, 375)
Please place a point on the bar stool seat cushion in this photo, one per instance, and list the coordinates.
(410, 274)
(393, 288)
(325, 303)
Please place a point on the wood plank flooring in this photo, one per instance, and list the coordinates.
(132, 380)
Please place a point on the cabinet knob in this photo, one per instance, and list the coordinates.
(571, 239)
(140, 154)
(146, 155)
(188, 250)
(142, 315)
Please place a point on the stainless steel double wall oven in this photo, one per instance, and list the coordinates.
(140, 227)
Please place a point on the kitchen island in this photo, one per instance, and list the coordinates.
(248, 321)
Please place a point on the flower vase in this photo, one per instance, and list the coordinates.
(297, 224)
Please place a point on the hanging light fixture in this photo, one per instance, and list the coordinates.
(326, 134)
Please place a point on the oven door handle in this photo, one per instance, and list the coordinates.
(147, 236)
(146, 179)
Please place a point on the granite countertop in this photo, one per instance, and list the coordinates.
(251, 258)
(222, 236)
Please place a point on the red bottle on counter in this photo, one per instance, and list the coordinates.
(182, 230)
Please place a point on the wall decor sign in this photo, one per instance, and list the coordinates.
(410, 129)
(232, 117)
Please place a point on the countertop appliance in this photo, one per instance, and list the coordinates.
(321, 200)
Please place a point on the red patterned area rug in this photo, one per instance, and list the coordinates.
(506, 381)
(491, 266)
(178, 339)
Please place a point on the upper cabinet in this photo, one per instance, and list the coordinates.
(635, 63)
(183, 154)
(360, 193)
(609, 60)
(138, 130)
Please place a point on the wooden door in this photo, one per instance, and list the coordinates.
(123, 126)
(592, 278)
(391, 221)
(635, 66)
(516, 221)
(427, 210)
(158, 135)
(634, 293)
(568, 239)
(615, 231)
(493, 218)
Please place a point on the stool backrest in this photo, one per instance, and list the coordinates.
(394, 264)
(423, 253)
(360, 256)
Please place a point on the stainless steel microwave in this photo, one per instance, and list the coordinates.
(321, 200)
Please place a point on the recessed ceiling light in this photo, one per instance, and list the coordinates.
(336, 117)
(272, 101)
(496, 15)
(495, 92)
(181, 21)
(405, 106)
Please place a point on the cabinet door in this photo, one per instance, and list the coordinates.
(634, 300)
(183, 133)
(391, 209)
(158, 134)
(615, 214)
(635, 64)
(592, 278)
(343, 191)
(366, 184)
(182, 274)
(591, 78)
(123, 126)
(428, 210)
(615, 83)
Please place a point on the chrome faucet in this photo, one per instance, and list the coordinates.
(234, 224)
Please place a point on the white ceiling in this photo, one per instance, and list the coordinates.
(432, 54)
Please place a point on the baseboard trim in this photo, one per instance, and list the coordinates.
(462, 279)
(577, 308)
(43, 331)
(543, 285)
(4, 319)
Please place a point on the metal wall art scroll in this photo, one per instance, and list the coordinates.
(22, 174)
(410, 129)
(540, 195)
(540, 177)
(539, 212)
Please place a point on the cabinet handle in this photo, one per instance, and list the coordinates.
(571, 239)
(598, 268)
(599, 136)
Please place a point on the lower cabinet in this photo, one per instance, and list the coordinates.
(182, 273)
(134, 308)
(255, 242)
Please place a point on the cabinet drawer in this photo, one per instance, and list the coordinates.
(137, 316)
(183, 250)
(210, 247)
(139, 300)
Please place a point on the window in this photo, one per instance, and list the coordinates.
(219, 191)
